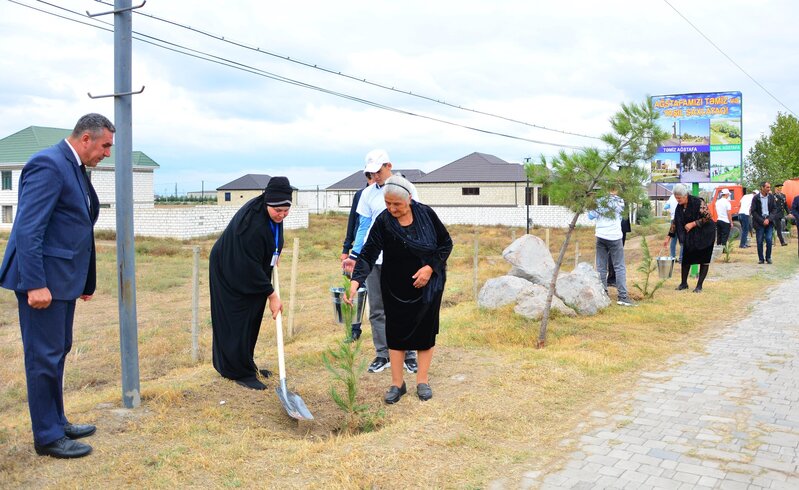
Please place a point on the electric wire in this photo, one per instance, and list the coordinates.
(178, 48)
(729, 58)
(350, 77)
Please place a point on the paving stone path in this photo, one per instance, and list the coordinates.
(728, 418)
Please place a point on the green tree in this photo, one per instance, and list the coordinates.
(774, 156)
(578, 180)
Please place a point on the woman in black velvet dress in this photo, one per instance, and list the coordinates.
(415, 246)
(695, 229)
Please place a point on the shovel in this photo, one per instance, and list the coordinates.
(292, 402)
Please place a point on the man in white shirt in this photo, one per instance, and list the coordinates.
(371, 204)
(744, 218)
(609, 244)
(724, 217)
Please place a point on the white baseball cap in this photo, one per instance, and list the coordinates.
(725, 192)
(375, 159)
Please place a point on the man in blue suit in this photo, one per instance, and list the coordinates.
(49, 263)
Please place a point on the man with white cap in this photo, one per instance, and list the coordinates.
(724, 217)
(371, 204)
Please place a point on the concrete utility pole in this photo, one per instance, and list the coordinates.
(126, 251)
(123, 175)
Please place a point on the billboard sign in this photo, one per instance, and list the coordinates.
(705, 141)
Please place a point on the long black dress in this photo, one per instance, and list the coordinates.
(698, 243)
(411, 313)
(240, 279)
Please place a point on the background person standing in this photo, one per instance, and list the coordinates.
(782, 212)
(609, 243)
(764, 211)
(724, 221)
(49, 263)
(744, 218)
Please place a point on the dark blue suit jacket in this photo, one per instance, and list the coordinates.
(52, 241)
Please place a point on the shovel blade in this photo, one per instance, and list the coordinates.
(293, 404)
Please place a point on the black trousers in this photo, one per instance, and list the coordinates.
(722, 232)
(780, 227)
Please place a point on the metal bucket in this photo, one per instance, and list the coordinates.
(359, 304)
(665, 266)
(717, 251)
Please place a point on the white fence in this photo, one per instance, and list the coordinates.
(542, 216)
(189, 222)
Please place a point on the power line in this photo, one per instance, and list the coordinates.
(263, 73)
(729, 58)
(350, 77)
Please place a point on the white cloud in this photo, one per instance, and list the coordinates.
(566, 65)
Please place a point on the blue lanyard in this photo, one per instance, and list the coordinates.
(276, 232)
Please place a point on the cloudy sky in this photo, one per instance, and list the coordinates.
(564, 65)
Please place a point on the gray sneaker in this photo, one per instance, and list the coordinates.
(625, 302)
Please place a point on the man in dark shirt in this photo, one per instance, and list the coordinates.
(782, 211)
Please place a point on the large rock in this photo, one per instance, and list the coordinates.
(531, 304)
(530, 259)
(501, 291)
(582, 290)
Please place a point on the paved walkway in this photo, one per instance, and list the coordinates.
(727, 419)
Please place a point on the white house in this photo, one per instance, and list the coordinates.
(16, 149)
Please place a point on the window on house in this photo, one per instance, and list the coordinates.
(543, 199)
(227, 197)
(470, 191)
(528, 196)
(7, 214)
(6, 177)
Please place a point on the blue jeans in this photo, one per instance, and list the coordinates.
(613, 249)
(673, 247)
(764, 233)
(745, 227)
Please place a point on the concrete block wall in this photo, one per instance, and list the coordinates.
(188, 222)
(542, 216)
(105, 186)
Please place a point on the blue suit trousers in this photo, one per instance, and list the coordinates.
(46, 340)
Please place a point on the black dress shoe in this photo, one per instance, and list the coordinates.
(697, 289)
(394, 394)
(76, 431)
(424, 392)
(681, 287)
(63, 448)
(251, 383)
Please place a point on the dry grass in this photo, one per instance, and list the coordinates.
(500, 406)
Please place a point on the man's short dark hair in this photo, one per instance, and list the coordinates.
(93, 123)
(763, 184)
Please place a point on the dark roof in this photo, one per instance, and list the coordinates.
(357, 181)
(477, 167)
(249, 182)
(20, 146)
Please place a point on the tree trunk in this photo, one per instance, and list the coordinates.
(542, 333)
